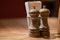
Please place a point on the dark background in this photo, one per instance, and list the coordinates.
(16, 8)
(12, 9)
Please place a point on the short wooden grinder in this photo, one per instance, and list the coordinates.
(44, 27)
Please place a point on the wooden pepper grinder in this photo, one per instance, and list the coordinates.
(44, 28)
(34, 25)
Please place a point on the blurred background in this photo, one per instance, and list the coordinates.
(16, 8)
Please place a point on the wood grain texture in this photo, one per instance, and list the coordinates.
(16, 29)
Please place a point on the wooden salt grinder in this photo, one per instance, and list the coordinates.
(34, 27)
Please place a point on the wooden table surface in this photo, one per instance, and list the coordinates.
(16, 29)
